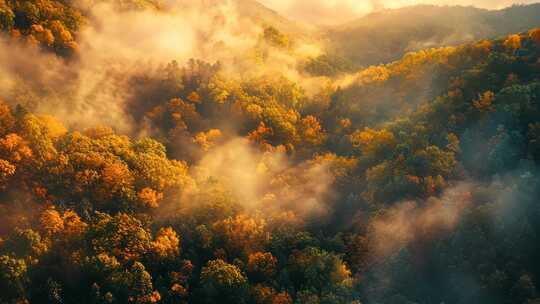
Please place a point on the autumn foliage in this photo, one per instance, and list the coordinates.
(413, 181)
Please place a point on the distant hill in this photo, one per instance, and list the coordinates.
(266, 16)
(247, 10)
(386, 35)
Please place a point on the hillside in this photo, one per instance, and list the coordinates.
(56, 25)
(385, 36)
(267, 17)
(153, 154)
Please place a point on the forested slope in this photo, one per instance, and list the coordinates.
(414, 181)
(385, 36)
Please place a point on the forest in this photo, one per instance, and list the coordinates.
(216, 152)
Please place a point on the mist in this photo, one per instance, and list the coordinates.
(409, 221)
(267, 181)
(117, 45)
(216, 152)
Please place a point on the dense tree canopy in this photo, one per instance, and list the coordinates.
(414, 181)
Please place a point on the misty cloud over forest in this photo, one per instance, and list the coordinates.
(307, 152)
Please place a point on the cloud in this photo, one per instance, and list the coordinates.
(321, 12)
(266, 181)
(409, 221)
(94, 87)
(115, 45)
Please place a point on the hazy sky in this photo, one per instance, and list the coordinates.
(338, 11)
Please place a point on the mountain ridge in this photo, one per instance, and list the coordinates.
(386, 35)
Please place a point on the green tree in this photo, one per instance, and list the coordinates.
(223, 282)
